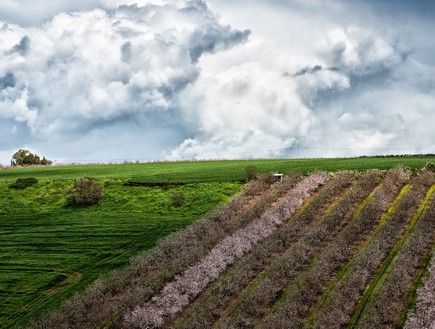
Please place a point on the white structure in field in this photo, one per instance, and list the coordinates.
(278, 177)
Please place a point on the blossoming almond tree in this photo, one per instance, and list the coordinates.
(424, 317)
(177, 294)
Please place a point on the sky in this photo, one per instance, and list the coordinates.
(126, 80)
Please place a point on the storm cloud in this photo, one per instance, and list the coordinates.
(115, 80)
(100, 69)
(316, 79)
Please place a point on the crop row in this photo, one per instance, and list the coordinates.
(270, 285)
(301, 295)
(203, 312)
(424, 316)
(353, 280)
(393, 287)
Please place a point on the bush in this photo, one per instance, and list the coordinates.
(251, 172)
(22, 183)
(177, 199)
(86, 191)
(430, 166)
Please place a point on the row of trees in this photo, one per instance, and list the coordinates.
(390, 296)
(351, 285)
(303, 294)
(205, 310)
(266, 289)
(424, 316)
(190, 272)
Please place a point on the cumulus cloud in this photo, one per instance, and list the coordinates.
(223, 79)
(84, 70)
(311, 85)
(34, 12)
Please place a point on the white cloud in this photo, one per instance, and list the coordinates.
(327, 89)
(240, 108)
(175, 78)
(35, 12)
(92, 66)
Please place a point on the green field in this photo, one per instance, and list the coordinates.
(50, 250)
(216, 171)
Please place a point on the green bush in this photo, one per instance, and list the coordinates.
(178, 199)
(430, 166)
(86, 191)
(22, 183)
(250, 172)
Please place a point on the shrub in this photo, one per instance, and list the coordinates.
(251, 172)
(430, 166)
(22, 183)
(86, 191)
(177, 199)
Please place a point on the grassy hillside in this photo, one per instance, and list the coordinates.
(321, 251)
(50, 250)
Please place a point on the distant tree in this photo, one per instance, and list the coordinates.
(46, 162)
(86, 191)
(251, 172)
(25, 158)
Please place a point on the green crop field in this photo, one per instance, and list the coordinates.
(50, 250)
(200, 171)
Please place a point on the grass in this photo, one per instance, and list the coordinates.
(211, 171)
(40, 253)
(49, 251)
